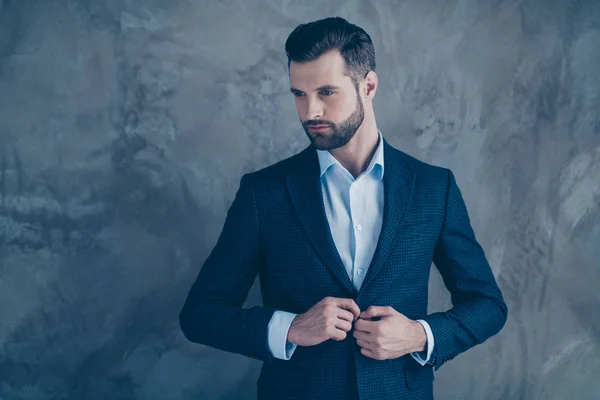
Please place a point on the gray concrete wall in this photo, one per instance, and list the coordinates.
(126, 125)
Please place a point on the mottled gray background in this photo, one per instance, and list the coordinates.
(125, 127)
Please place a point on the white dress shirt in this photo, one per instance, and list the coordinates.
(354, 209)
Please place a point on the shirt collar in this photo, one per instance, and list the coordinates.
(326, 160)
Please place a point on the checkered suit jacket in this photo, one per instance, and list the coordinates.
(276, 228)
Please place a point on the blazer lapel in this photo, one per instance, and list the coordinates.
(304, 186)
(398, 184)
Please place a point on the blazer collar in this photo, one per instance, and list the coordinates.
(326, 160)
(304, 187)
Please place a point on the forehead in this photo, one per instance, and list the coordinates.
(325, 70)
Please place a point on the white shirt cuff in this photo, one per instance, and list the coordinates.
(279, 326)
(424, 356)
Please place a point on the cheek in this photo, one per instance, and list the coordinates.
(337, 111)
(302, 109)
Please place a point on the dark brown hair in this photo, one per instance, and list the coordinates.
(311, 40)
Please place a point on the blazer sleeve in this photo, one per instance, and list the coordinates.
(479, 310)
(212, 313)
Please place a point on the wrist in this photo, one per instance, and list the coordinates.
(421, 337)
(290, 338)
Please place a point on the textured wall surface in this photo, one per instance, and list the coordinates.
(126, 125)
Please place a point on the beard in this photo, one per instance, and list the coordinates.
(338, 134)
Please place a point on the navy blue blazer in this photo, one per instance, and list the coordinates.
(276, 228)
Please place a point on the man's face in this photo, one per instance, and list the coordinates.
(324, 96)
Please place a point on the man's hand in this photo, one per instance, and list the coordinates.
(330, 318)
(391, 336)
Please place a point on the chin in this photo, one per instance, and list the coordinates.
(327, 145)
(322, 141)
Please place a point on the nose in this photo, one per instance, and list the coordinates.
(314, 110)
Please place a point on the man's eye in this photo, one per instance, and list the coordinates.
(325, 92)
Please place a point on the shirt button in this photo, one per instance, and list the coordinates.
(353, 184)
(359, 227)
(360, 271)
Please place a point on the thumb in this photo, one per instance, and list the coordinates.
(376, 311)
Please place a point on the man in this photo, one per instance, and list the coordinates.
(342, 236)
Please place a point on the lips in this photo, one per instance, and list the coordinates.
(318, 128)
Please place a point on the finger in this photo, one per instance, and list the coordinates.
(377, 311)
(337, 334)
(368, 353)
(370, 312)
(355, 309)
(364, 344)
(345, 315)
(343, 325)
(364, 325)
(362, 335)
(349, 304)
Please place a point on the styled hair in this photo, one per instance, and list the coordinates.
(311, 40)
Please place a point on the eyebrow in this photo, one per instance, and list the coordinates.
(325, 87)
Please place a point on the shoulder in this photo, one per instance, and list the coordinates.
(425, 172)
(275, 174)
